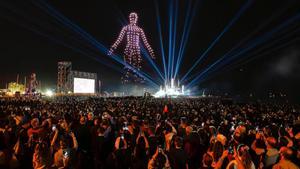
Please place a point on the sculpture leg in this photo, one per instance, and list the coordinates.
(137, 62)
(127, 71)
(126, 76)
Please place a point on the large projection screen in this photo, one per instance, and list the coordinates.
(82, 85)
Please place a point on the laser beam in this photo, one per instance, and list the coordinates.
(160, 39)
(186, 32)
(251, 45)
(235, 18)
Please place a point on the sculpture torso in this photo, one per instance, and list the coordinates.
(132, 40)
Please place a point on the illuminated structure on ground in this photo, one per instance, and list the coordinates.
(14, 87)
(33, 84)
(71, 81)
(171, 90)
(132, 53)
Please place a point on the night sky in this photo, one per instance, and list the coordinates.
(33, 41)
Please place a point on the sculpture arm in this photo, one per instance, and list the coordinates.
(118, 41)
(145, 41)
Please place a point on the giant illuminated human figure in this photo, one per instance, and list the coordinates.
(132, 53)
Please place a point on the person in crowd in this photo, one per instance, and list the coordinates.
(258, 148)
(35, 129)
(218, 153)
(285, 159)
(41, 157)
(64, 155)
(169, 132)
(140, 158)
(242, 158)
(159, 160)
(100, 154)
(207, 161)
(120, 158)
(272, 153)
(192, 147)
(178, 157)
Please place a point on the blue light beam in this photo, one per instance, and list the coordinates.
(174, 38)
(261, 26)
(236, 17)
(251, 45)
(185, 35)
(170, 39)
(160, 39)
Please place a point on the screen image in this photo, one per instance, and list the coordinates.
(82, 85)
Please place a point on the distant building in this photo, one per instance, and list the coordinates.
(14, 87)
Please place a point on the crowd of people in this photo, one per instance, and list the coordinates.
(147, 133)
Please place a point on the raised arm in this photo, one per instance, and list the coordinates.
(145, 41)
(54, 137)
(75, 143)
(118, 41)
(173, 128)
(220, 161)
(145, 139)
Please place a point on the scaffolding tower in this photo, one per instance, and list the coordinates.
(64, 81)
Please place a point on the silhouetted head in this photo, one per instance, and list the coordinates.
(133, 17)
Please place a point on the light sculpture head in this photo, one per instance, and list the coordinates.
(133, 17)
